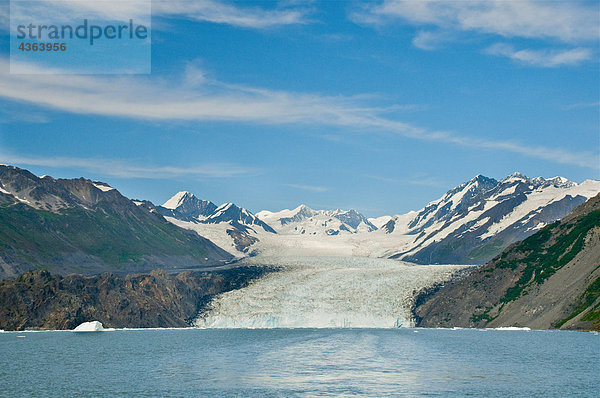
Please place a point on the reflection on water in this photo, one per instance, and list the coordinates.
(357, 364)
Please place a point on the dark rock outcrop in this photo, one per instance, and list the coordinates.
(41, 300)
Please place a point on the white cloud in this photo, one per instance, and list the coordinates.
(224, 13)
(568, 21)
(310, 188)
(62, 11)
(145, 98)
(428, 40)
(123, 169)
(542, 58)
(220, 12)
(581, 105)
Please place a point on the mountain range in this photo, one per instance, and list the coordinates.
(79, 225)
(470, 224)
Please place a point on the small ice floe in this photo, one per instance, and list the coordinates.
(93, 326)
(512, 328)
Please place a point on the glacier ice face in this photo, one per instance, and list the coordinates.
(93, 326)
(325, 292)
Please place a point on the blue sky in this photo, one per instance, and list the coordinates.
(379, 106)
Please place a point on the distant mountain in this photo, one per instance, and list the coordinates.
(231, 213)
(304, 220)
(549, 280)
(185, 205)
(470, 224)
(232, 228)
(476, 220)
(88, 227)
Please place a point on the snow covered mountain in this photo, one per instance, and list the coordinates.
(470, 224)
(476, 220)
(304, 220)
(185, 205)
(238, 216)
(230, 227)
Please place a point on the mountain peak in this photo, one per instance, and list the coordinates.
(177, 200)
(516, 176)
(482, 178)
(561, 182)
(187, 205)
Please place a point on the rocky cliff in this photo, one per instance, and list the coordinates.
(549, 280)
(41, 300)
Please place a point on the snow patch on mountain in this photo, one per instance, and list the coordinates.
(102, 186)
(176, 201)
(540, 198)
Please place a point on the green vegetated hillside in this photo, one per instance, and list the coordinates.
(549, 280)
(80, 226)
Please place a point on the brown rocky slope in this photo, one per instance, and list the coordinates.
(40, 300)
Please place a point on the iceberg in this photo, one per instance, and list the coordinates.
(93, 326)
(512, 328)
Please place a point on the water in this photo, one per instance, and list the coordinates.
(326, 292)
(300, 362)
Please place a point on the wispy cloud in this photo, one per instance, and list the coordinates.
(581, 105)
(444, 21)
(311, 188)
(124, 169)
(226, 13)
(146, 98)
(542, 58)
(221, 12)
(431, 40)
(567, 21)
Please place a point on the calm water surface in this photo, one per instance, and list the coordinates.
(300, 362)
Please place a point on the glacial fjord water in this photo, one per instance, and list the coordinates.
(300, 362)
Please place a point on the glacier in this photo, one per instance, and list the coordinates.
(325, 292)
